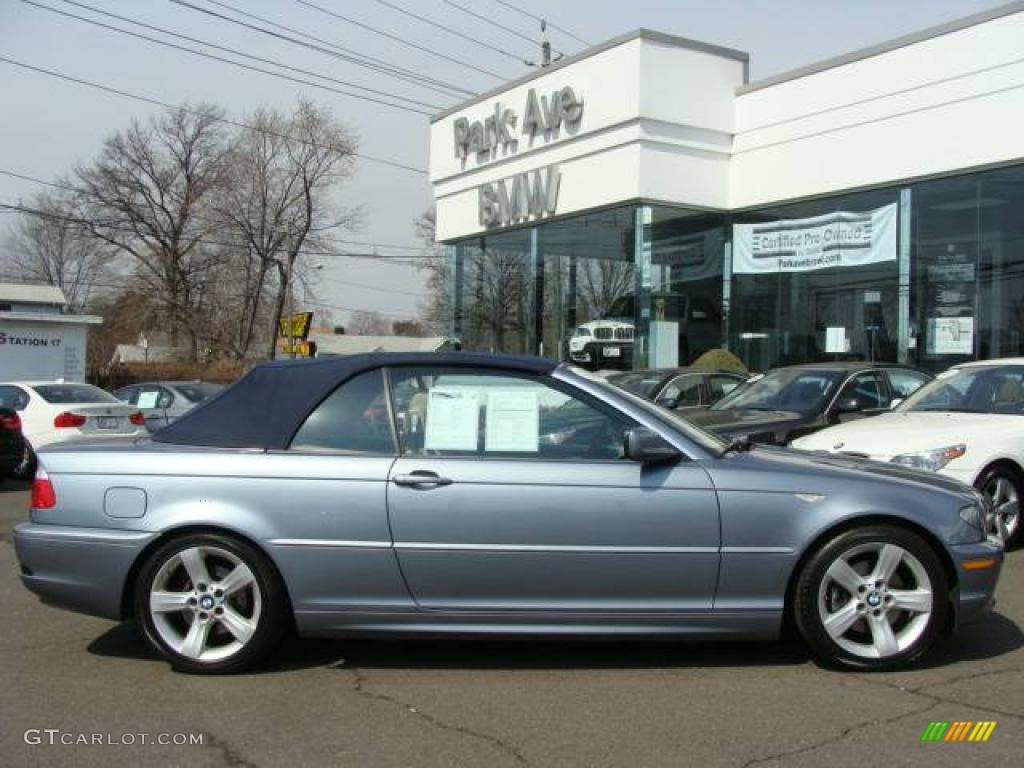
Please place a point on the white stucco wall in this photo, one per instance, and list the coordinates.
(669, 120)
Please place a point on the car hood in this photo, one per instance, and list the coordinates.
(892, 434)
(742, 421)
(778, 464)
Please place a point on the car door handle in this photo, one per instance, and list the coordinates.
(421, 479)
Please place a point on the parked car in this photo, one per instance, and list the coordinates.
(679, 388)
(12, 443)
(161, 402)
(790, 402)
(58, 411)
(450, 493)
(967, 424)
(602, 344)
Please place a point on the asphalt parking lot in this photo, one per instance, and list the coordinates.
(405, 703)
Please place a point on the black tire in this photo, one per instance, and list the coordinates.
(1012, 475)
(26, 469)
(274, 616)
(809, 589)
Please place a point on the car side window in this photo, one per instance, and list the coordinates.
(128, 395)
(869, 390)
(904, 383)
(684, 391)
(353, 420)
(13, 397)
(456, 412)
(720, 385)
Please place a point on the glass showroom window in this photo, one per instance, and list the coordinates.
(968, 268)
(587, 314)
(492, 297)
(817, 281)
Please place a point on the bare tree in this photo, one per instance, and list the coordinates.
(367, 323)
(283, 170)
(53, 248)
(601, 282)
(435, 311)
(149, 195)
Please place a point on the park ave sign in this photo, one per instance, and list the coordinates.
(544, 114)
(528, 195)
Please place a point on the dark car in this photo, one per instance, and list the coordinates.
(787, 403)
(679, 388)
(12, 443)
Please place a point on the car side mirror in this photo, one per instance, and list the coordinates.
(648, 447)
(897, 401)
(848, 405)
(668, 402)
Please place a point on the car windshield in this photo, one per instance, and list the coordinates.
(973, 389)
(706, 440)
(640, 383)
(786, 389)
(196, 393)
(73, 393)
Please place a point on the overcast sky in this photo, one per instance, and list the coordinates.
(48, 125)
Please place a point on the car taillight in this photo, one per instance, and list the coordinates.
(43, 495)
(68, 419)
(138, 419)
(11, 422)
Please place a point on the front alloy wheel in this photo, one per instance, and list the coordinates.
(210, 603)
(1002, 487)
(872, 599)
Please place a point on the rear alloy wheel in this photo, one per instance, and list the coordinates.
(872, 599)
(210, 603)
(26, 468)
(1003, 487)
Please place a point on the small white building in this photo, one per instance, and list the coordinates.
(37, 339)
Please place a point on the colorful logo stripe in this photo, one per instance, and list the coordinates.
(958, 730)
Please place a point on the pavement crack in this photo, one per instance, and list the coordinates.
(938, 698)
(842, 735)
(231, 756)
(359, 686)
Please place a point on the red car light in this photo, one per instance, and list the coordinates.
(138, 419)
(68, 419)
(11, 422)
(43, 495)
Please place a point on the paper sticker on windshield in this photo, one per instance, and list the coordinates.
(453, 420)
(513, 422)
(148, 399)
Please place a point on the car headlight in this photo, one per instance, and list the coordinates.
(932, 460)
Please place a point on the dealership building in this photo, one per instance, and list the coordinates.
(642, 202)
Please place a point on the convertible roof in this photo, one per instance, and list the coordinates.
(265, 407)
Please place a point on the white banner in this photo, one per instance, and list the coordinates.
(840, 239)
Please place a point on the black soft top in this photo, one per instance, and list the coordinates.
(265, 408)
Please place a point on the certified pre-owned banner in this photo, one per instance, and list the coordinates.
(840, 239)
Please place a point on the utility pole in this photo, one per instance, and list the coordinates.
(545, 45)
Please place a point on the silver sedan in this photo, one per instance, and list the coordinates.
(475, 494)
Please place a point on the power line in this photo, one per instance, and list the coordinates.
(564, 31)
(494, 23)
(230, 61)
(401, 40)
(346, 54)
(450, 31)
(226, 244)
(226, 121)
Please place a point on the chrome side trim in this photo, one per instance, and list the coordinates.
(758, 551)
(356, 544)
(554, 548)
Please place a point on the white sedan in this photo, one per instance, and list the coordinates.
(968, 424)
(57, 411)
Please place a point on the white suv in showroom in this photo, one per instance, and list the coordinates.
(602, 344)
